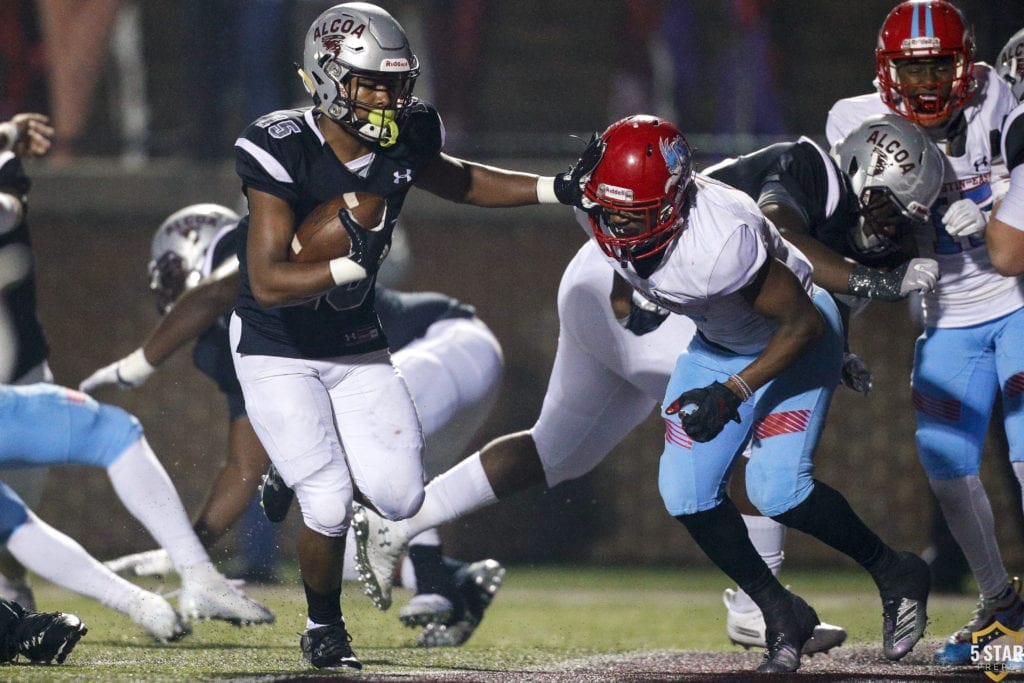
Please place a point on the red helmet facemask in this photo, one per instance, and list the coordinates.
(636, 192)
(925, 29)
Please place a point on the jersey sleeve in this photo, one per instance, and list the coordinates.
(263, 153)
(738, 262)
(842, 118)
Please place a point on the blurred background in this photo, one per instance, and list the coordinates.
(148, 96)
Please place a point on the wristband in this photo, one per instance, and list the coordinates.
(9, 130)
(134, 369)
(344, 270)
(742, 385)
(546, 190)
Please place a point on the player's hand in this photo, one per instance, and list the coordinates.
(964, 218)
(856, 374)
(644, 316)
(569, 185)
(919, 275)
(127, 373)
(714, 405)
(369, 246)
(28, 134)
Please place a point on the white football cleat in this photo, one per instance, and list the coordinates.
(212, 596)
(149, 563)
(156, 616)
(379, 546)
(747, 629)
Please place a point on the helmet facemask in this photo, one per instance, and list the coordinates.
(353, 52)
(636, 194)
(896, 173)
(922, 36)
(179, 249)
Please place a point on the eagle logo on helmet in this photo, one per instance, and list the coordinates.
(677, 159)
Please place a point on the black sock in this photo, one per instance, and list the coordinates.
(827, 516)
(722, 535)
(323, 608)
(433, 575)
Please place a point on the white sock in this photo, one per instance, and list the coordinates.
(459, 491)
(61, 560)
(968, 513)
(145, 489)
(767, 536)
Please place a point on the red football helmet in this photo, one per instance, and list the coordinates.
(636, 192)
(918, 29)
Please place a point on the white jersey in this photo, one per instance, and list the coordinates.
(969, 291)
(725, 242)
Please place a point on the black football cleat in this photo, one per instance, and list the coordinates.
(43, 637)
(786, 635)
(328, 647)
(275, 496)
(904, 590)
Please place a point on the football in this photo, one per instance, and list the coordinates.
(322, 237)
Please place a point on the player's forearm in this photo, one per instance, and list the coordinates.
(831, 271)
(791, 340)
(191, 315)
(1005, 245)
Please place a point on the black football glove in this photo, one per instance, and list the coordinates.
(644, 317)
(369, 247)
(716, 405)
(569, 185)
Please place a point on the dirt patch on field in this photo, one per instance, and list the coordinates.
(861, 663)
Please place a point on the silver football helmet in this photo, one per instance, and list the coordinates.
(896, 173)
(1010, 64)
(179, 249)
(355, 42)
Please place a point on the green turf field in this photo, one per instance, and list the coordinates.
(541, 616)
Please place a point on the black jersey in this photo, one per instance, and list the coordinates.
(284, 154)
(19, 286)
(801, 176)
(405, 317)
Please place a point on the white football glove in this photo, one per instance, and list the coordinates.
(856, 374)
(963, 218)
(127, 373)
(921, 276)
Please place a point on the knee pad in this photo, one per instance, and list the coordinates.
(402, 507)
(327, 512)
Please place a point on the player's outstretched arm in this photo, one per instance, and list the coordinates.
(192, 313)
(467, 182)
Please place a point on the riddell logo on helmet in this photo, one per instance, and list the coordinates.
(890, 151)
(921, 43)
(620, 194)
(398, 64)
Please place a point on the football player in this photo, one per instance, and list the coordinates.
(45, 424)
(815, 204)
(23, 346)
(334, 415)
(969, 349)
(1005, 235)
(659, 225)
(449, 358)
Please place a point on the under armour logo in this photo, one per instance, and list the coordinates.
(382, 538)
(403, 177)
(981, 164)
